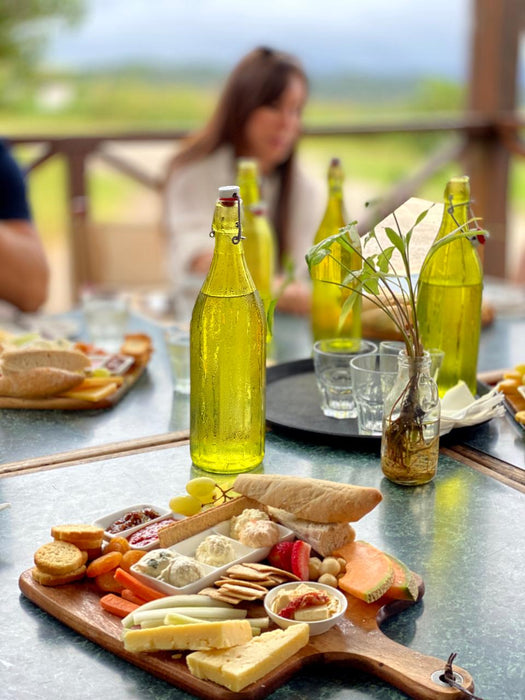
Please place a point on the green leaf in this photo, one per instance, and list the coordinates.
(383, 259)
(346, 309)
(396, 239)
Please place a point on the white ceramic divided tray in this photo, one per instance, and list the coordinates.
(188, 547)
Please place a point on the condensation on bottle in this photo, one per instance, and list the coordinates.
(227, 354)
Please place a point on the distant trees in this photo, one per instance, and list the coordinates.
(24, 25)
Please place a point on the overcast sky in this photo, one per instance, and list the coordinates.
(385, 37)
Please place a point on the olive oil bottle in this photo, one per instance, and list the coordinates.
(449, 295)
(227, 354)
(259, 246)
(328, 298)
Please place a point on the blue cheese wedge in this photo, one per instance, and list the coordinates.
(239, 666)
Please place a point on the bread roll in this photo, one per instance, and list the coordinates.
(27, 358)
(324, 538)
(310, 499)
(39, 382)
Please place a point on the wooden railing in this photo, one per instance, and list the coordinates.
(468, 135)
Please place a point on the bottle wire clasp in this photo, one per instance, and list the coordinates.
(476, 239)
(239, 237)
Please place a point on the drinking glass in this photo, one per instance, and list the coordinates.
(332, 371)
(106, 316)
(373, 377)
(178, 346)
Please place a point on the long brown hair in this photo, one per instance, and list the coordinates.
(258, 79)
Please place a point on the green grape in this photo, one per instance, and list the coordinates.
(201, 488)
(185, 505)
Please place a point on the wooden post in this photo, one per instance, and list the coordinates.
(492, 94)
(76, 154)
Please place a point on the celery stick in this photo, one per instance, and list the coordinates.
(261, 622)
(179, 601)
(175, 619)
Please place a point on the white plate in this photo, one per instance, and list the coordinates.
(188, 548)
(106, 520)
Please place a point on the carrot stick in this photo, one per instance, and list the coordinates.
(140, 589)
(116, 605)
(128, 594)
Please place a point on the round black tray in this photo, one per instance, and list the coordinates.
(293, 403)
(293, 406)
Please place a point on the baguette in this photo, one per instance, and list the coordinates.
(324, 538)
(39, 382)
(310, 499)
(14, 360)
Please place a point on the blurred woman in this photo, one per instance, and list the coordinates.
(259, 116)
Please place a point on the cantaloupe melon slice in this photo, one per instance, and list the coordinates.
(369, 572)
(405, 585)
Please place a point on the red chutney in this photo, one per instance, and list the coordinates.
(132, 519)
(149, 533)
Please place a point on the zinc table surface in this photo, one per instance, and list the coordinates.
(462, 533)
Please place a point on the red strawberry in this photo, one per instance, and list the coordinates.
(300, 559)
(281, 555)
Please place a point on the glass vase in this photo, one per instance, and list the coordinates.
(410, 437)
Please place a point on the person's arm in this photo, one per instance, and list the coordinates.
(24, 272)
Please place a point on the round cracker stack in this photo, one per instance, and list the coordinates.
(84, 536)
(58, 562)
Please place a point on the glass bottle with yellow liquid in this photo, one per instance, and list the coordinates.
(259, 247)
(449, 294)
(328, 296)
(227, 354)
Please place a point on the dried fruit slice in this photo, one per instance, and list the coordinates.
(300, 559)
(281, 555)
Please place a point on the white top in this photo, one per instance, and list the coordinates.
(190, 197)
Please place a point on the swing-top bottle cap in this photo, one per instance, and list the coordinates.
(228, 192)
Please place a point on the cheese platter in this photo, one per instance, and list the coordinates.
(39, 374)
(277, 651)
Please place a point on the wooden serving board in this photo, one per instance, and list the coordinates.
(357, 641)
(58, 403)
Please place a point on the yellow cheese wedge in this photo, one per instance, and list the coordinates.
(198, 635)
(90, 382)
(239, 666)
(95, 393)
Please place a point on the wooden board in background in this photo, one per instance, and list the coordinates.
(58, 403)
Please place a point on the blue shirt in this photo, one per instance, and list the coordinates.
(13, 199)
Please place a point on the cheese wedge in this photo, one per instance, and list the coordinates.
(94, 393)
(198, 635)
(239, 666)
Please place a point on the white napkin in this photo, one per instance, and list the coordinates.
(459, 408)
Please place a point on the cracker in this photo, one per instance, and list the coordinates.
(245, 572)
(59, 558)
(242, 592)
(267, 569)
(83, 535)
(241, 582)
(216, 594)
(46, 579)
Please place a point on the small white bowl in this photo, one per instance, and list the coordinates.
(316, 626)
(106, 520)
